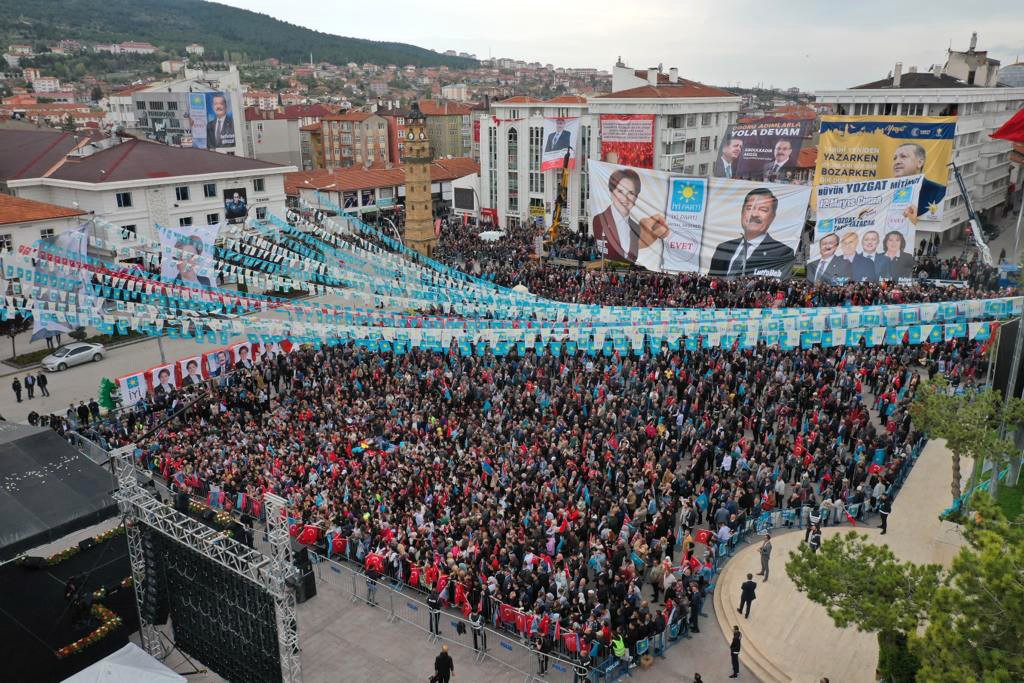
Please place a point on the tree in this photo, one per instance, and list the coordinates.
(12, 327)
(68, 124)
(78, 334)
(106, 394)
(976, 623)
(969, 422)
(97, 93)
(865, 585)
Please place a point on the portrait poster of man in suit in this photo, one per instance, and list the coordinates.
(753, 229)
(220, 124)
(628, 206)
(560, 135)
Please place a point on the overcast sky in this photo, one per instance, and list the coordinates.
(824, 44)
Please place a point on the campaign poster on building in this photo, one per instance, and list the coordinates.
(212, 121)
(687, 201)
(218, 363)
(60, 258)
(628, 210)
(236, 205)
(186, 254)
(561, 136)
(766, 149)
(852, 148)
(864, 231)
(197, 118)
(752, 228)
(162, 379)
(628, 139)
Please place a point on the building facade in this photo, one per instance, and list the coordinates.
(449, 128)
(273, 137)
(984, 163)
(354, 138)
(23, 221)
(689, 121)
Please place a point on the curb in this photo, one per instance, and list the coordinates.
(4, 365)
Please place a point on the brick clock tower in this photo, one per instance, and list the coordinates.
(419, 213)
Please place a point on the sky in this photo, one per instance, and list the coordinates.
(823, 45)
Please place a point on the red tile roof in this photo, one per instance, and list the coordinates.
(683, 88)
(443, 108)
(350, 179)
(311, 126)
(348, 116)
(520, 99)
(139, 160)
(31, 153)
(300, 111)
(20, 210)
(568, 99)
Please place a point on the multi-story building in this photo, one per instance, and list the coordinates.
(449, 128)
(455, 91)
(31, 73)
(21, 50)
(980, 108)
(261, 99)
(23, 221)
(354, 138)
(690, 119)
(171, 66)
(126, 48)
(136, 184)
(311, 145)
(396, 120)
(195, 49)
(273, 136)
(44, 84)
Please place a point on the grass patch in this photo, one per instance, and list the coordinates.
(1011, 500)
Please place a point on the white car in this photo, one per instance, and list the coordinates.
(73, 354)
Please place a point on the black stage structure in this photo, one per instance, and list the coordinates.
(47, 489)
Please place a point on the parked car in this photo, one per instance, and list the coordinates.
(73, 354)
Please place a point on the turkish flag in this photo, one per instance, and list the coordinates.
(704, 536)
(309, 535)
(506, 613)
(1012, 130)
(375, 562)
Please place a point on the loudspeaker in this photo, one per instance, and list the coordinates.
(32, 562)
(207, 515)
(300, 556)
(305, 586)
(86, 543)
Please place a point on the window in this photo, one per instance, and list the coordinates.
(536, 145)
(691, 120)
(702, 169)
(210, 190)
(705, 144)
(261, 213)
(156, 106)
(172, 106)
(492, 145)
(691, 145)
(6, 243)
(212, 218)
(863, 108)
(185, 222)
(140, 105)
(688, 169)
(46, 233)
(257, 185)
(890, 108)
(584, 152)
(705, 119)
(181, 193)
(124, 200)
(129, 232)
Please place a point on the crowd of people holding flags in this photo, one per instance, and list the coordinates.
(578, 500)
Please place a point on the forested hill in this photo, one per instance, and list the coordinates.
(172, 24)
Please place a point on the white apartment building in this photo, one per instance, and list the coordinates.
(980, 109)
(45, 84)
(690, 120)
(136, 184)
(455, 91)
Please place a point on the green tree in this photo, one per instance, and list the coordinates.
(68, 124)
(866, 586)
(106, 394)
(969, 422)
(12, 327)
(975, 626)
(97, 93)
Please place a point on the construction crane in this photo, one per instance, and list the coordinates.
(560, 200)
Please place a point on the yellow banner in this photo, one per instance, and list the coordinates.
(858, 148)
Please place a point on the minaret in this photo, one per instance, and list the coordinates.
(419, 213)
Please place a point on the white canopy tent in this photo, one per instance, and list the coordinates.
(130, 664)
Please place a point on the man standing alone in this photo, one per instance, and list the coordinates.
(444, 667)
(884, 509)
(766, 554)
(747, 595)
(734, 652)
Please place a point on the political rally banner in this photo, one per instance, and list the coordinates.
(187, 254)
(766, 149)
(628, 139)
(687, 204)
(627, 206)
(852, 148)
(162, 379)
(752, 228)
(561, 136)
(133, 388)
(864, 230)
(191, 371)
(60, 257)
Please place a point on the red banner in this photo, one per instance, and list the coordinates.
(628, 139)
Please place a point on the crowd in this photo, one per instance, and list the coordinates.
(558, 496)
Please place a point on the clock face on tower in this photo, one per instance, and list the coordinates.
(423, 136)
(412, 135)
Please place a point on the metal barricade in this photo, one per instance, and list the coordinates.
(88, 448)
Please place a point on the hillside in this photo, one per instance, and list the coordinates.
(173, 24)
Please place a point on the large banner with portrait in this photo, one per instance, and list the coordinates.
(752, 228)
(186, 254)
(628, 139)
(679, 224)
(212, 120)
(766, 149)
(561, 135)
(865, 231)
(58, 258)
(852, 148)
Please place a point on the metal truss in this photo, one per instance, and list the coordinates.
(280, 570)
(140, 509)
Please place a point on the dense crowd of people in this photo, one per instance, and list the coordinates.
(559, 492)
